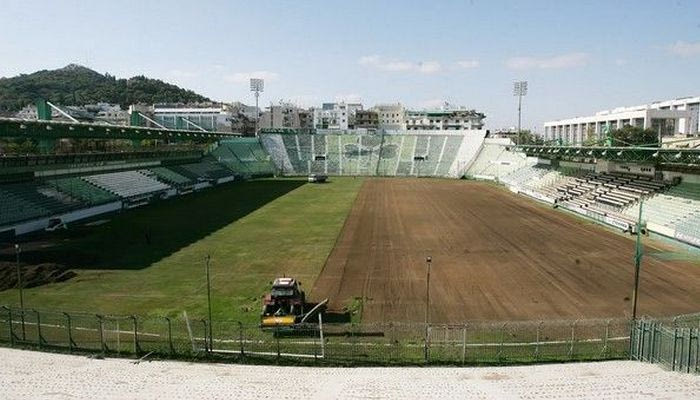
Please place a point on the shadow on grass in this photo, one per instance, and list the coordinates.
(137, 238)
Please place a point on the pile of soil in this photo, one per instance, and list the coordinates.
(33, 275)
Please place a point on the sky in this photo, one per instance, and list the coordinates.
(578, 57)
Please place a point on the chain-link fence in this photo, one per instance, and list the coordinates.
(344, 344)
(671, 342)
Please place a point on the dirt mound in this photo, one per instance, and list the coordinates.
(33, 275)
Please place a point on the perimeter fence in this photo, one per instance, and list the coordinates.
(673, 343)
(319, 343)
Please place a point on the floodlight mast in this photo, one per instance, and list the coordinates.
(519, 90)
(257, 85)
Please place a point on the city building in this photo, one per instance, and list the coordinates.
(444, 120)
(391, 116)
(335, 115)
(366, 119)
(214, 117)
(286, 115)
(242, 118)
(672, 119)
(95, 113)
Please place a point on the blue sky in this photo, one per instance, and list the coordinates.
(578, 56)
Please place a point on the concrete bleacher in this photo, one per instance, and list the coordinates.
(676, 210)
(245, 157)
(171, 177)
(495, 160)
(23, 201)
(127, 184)
(83, 190)
(372, 154)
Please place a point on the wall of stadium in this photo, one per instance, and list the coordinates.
(424, 154)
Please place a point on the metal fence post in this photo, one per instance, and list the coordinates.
(137, 348)
(206, 336)
(39, 339)
(464, 344)
(170, 335)
(277, 339)
(323, 340)
(70, 332)
(673, 358)
(240, 338)
(537, 340)
(103, 345)
(690, 349)
(425, 343)
(605, 339)
(9, 325)
(573, 338)
(500, 347)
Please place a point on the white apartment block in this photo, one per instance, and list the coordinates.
(335, 115)
(444, 120)
(672, 119)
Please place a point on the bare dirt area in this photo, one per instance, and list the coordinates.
(495, 256)
(32, 275)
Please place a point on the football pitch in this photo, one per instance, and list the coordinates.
(151, 261)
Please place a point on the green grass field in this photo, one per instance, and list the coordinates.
(151, 261)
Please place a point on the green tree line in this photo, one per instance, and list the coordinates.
(78, 85)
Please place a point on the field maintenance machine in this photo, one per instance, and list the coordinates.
(285, 306)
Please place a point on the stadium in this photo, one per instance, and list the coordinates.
(422, 247)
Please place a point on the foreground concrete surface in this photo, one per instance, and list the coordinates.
(36, 375)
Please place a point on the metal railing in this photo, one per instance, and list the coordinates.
(347, 344)
(672, 343)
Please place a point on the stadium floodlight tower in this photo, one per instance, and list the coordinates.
(257, 85)
(519, 90)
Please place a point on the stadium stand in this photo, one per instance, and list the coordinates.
(127, 184)
(495, 160)
(83, 190)
(171, 177)
(202, 171)
(245, 157)
(23, 201)
(678, 209)
(373, 154)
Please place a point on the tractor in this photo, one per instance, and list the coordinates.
(285, 305)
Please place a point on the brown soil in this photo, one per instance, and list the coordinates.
(32, 275)
(496, 256)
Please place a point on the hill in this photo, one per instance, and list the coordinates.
(78, 85)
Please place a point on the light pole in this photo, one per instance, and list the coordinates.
(428, 261)
(256, 86)
(637, 261)
(519, 90)
(20, 285)
(209, 301)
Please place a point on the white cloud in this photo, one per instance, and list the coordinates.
(244, 77)
(467, 64)
(570, 60)
(620, 62)
(378, 62)
(685, 49)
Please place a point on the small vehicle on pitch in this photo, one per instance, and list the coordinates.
(316, 178)
(285, 306)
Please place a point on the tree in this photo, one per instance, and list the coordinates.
(634, 136)
(527, 137)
